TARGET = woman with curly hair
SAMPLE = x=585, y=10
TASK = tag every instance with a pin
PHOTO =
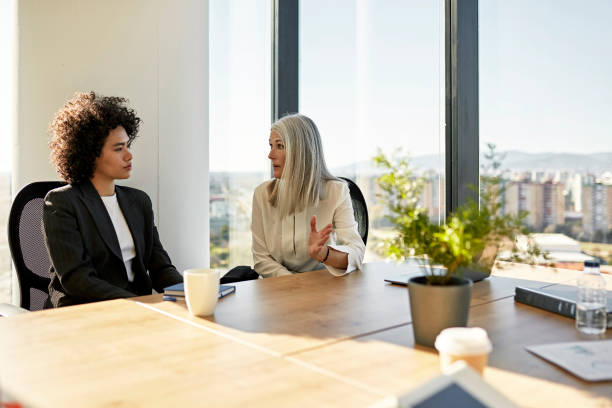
x=101, y=238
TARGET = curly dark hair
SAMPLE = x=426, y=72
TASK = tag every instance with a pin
x=80, y=129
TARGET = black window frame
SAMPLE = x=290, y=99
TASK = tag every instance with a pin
x=461, y=78
x=285, y=58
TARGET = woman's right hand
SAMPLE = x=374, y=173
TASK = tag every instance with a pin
x=317, y=239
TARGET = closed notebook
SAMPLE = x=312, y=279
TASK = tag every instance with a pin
x=560, y=299
x=178, y=290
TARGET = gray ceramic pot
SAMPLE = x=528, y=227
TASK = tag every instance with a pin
x=436, y=307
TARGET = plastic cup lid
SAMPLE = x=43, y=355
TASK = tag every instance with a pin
x=463, y=341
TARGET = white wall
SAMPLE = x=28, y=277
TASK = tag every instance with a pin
x=153, y=52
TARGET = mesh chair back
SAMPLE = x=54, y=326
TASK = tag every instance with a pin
x=27, y=243
x=359, y=208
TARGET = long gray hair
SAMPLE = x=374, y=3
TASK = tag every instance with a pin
x=304, y=172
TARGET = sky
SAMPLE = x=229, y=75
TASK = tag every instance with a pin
x=545, y=75
x=371, y=75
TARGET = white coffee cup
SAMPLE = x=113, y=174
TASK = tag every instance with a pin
x=201, y=291
x=470, y=344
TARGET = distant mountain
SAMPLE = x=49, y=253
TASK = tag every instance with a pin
x=596, y=163
x=367, y=167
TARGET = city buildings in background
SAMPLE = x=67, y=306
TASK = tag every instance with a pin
x=574, y=202
x=564, y=207
x=577, y=204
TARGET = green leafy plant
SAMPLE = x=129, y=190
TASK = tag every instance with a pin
x=472, y=234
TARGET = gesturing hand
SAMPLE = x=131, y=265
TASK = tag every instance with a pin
x=317, y=239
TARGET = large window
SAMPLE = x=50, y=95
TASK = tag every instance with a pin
x=240, y=112
x=544, y=103
x=372, y=76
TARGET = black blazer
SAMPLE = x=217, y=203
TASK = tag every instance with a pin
x=86, y=261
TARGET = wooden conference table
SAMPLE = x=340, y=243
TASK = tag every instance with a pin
x=304, y=340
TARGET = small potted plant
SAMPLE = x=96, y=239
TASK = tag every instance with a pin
x=469, y=239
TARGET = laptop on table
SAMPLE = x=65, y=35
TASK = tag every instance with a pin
x=409, y=271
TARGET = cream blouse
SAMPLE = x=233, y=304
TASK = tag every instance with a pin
x=280, y=246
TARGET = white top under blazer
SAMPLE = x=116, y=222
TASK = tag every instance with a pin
x=124, y=236
x=280, y=246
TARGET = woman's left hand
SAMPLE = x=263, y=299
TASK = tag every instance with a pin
x=317, y=239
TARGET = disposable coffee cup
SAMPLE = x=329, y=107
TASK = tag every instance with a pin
x=469, y=344
x=201, y=291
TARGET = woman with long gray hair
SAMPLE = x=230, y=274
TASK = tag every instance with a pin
x=303, y=218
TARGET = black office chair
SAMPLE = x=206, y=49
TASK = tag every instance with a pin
x=27, y=243
x=360, y=209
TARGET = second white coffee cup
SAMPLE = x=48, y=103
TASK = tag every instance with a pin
x=201, y=291
x=470, y=344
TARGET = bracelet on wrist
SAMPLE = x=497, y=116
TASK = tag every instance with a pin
x=326, y=256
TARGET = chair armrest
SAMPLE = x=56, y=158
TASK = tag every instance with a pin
x=7, y=310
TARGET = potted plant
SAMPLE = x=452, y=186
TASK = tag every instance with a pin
x=469, y=239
